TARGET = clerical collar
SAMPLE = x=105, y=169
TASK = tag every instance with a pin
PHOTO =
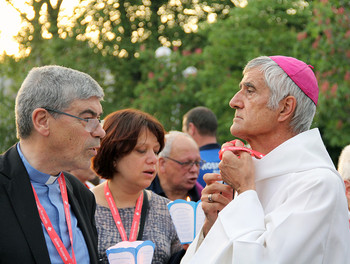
x=34, y=174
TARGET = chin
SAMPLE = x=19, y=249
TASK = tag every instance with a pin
x=234, y=131
x=146, y=184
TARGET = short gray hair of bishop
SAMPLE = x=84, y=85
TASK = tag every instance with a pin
x=54, y=87
x=281, y=86
x=169, y=139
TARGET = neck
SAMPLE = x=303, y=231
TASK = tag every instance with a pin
x=173, y=194
x=122, y=196
x=205, y=140
x=265, y=144
x=37, y=158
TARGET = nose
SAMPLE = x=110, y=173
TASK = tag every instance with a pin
x=236, y=101
x=152, y=158
x=99, y=132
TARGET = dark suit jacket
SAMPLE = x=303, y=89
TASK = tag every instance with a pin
x=21, y=236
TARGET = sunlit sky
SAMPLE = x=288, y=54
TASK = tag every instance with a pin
x=10, y=22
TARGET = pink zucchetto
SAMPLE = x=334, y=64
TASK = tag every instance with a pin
x=301, y=74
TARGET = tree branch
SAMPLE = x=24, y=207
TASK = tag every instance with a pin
x=23, y=15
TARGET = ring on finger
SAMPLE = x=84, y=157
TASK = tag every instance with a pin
x=210, y=198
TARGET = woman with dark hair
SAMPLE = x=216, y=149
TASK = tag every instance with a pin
x=127, y=159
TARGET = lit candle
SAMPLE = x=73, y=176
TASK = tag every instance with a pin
x=188, y=199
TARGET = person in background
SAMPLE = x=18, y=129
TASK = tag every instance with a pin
x=201, y=124
x=86, y=176
x=127, y=159
x=289, y=205
x=178, y=168
x=344, y=171
x=48, y=214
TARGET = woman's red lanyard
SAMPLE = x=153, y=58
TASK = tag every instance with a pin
x=116, y=216
x=67, y=259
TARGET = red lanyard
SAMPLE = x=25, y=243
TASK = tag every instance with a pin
x=67, y=259
x=116, y=216
x=234, y=148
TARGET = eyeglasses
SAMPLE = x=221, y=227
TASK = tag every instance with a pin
x=188, y=164
x=91, y=123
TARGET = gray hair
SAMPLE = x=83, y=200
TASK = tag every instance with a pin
x=169, y=139
x=281, y=86
x=51, y=86
x=344, y=163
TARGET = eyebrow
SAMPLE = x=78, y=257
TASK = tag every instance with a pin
x=89, y=111
x=248, y=84
x=140, y=144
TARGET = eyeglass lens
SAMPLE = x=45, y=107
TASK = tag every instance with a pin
x=197, y=163
x=92, y=125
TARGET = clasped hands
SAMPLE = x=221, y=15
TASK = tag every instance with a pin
x=237, y=172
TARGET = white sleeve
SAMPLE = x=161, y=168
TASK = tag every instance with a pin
x=306, y=226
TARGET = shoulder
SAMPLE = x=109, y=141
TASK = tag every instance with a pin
x=158, y=211
x=320, y=176
x=323, y=181
x=212, y=146
x=11, y=165
x=73, y=180
x=210, y=152
x=77, y=187
x=156, y=201
x=8, y=152
x=98, y=191
x=9, y=157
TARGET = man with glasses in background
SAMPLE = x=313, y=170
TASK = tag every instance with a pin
x=48, y=214
x=178, y=168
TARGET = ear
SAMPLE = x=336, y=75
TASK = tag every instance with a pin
x=161, y=165
x=287, y=108
x=347, y=189
x=41, y=124
x=192, y=130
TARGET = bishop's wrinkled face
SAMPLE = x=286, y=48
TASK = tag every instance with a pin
x=252, y=118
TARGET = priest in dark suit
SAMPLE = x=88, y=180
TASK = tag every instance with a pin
x=47, y=215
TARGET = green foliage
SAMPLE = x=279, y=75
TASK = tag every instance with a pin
x=123, y=29
x=258, y=29
x=7, y=126
x=129, y=34
x=164, y=90
x=8, y=88
x=325, y=44
x=122, y=56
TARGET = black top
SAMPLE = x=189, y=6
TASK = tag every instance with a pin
x=22, y=238
x=156, y=188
